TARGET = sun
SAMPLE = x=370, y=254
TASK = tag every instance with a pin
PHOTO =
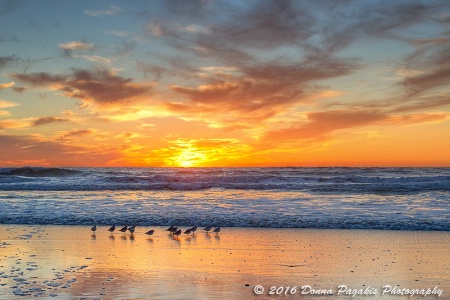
x=190, y=157
x=186, y=164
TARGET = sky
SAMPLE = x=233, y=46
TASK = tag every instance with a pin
x=219, y=83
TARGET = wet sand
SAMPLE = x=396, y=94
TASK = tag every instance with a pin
x=68, y=262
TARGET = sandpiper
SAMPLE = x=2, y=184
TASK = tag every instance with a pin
x=207, y=229
x=177, y=233
x=112, y=228
x=170, y=228
x=193, y=230
x=132, y=229
x=150, y=232
x=217, y=230
x=188, y=231
x=124, y=229
x=94, y=228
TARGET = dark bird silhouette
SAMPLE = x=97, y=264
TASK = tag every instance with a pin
x=124, y=229
x=170, y=228
x=217, y=230
x=194, y=229
x=188, y=231
x=94, y=228
x=132, y=229
x=207, y=229
x=177, y=233
x=112, y=228
x=150, y=232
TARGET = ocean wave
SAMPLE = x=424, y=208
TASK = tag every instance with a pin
x=37, y=172
x=319, y=180
x=244, y=220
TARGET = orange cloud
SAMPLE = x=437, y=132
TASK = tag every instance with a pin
x=15, y=150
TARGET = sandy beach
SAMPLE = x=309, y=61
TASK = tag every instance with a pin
x=69, y=262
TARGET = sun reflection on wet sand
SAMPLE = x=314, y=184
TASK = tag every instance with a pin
x=69, y=262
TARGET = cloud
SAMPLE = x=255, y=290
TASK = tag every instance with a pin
x=26, y=150
x=40, y=79
x=430, y=41
x=319, y=125
x=93, y=58
x=75, y=45
x=416, y=118
x=432, y=65
x=423, y=103
x=6, y=85
x=14, y=124
x=48, y=120
x=29, y=122
x=110, y=11
x=100, y=86
x=5, y=60
x=5, y=104
x=432, y=79
x=258, y=92
x=146, y=68
x=74, y=133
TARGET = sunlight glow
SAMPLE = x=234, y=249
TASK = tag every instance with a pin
x=190, y=157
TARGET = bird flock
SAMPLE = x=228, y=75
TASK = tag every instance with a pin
x=175, y=231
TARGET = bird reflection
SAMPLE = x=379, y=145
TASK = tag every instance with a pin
x=93, y=237
x=112, y=237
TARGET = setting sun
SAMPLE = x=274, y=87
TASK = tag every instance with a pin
x=189, y=158
x=338, y=90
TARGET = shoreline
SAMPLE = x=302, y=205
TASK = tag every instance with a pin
x=69, y=262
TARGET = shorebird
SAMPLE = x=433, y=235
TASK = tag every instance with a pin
x=112, y=228
x=177, y=233
x=193, y=230
x=170, y=228
x=132, y=229
x=174, y=229
x=217, y=230
x=124, y=229
x=188, y=231
x=94, y=228
x=207, y=229
x=150, y=232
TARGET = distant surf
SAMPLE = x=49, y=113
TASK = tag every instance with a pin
x=363, y=198
x=320, y=180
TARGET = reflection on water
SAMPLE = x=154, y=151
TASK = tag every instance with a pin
x=219, y=266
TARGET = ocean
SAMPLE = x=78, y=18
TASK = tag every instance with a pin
x=333, y=198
